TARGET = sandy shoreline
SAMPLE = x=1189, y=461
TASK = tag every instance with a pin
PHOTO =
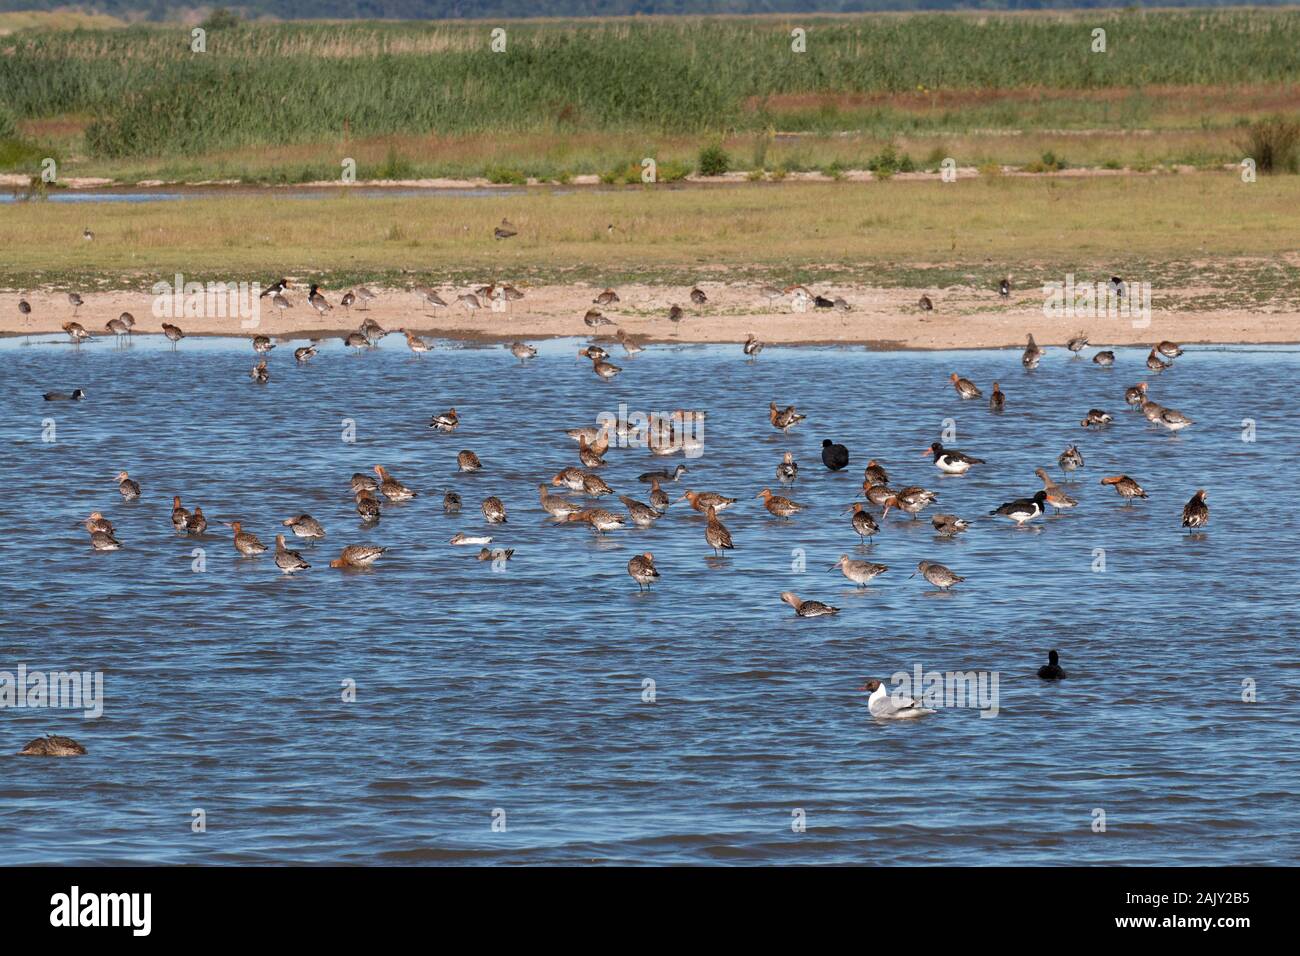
x=881, y=318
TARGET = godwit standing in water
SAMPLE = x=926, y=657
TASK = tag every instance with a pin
x=305, y=526
x=246, y=542
x=1125, y=487
x=1057, y=498
x=859, y=572
x=752, y=346
x=173, y=333
x=494, y=510
x=1078, y=343
x=862, y=522
x=1196, y=513
x=286, y=560
x=642, y=569
x=359, y=556
x=716, y=533
x=964, y=386
x=522, y=351
x=415, y=344
x=938, y=575
x=197, y=523
x=949, y=526
x=778, y=505
x=788, y=470
x=643, y=516
x=1033, y=354
x=468, y=461
x=259, y=373
x=703, y=501
x=1105, y=359
x=785, y=418
x=179, y=515
x=304, y=353
x=807, y=608
x=557, y=506
x=1071, y=459
x=1154, y=362
x=874, y=474
x=128, y=487
x=76, y=332
x=1169, y=349
x=912, y=499
x=391, y=488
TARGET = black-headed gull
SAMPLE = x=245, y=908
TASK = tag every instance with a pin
x=886, y=706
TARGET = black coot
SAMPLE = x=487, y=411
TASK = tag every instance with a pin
x=834, y=456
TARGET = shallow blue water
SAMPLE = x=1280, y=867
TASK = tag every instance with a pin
x=522, y=690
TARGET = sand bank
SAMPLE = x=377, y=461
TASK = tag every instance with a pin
x=883, y=318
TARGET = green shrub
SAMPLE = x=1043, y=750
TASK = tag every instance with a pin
x=714, y=160
x=1274, y=145
x=504, y=175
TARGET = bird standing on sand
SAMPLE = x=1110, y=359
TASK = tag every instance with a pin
x=807, y=608
x=1196, y=513
x=698, y=297
x=642, y=569
x=76, y=302
x=1004, y=288
x=926, y=304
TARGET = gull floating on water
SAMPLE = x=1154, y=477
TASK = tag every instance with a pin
x=884, y=706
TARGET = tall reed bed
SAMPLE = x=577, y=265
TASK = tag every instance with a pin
x=296, y=83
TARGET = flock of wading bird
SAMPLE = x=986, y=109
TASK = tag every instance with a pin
x=666, y=435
